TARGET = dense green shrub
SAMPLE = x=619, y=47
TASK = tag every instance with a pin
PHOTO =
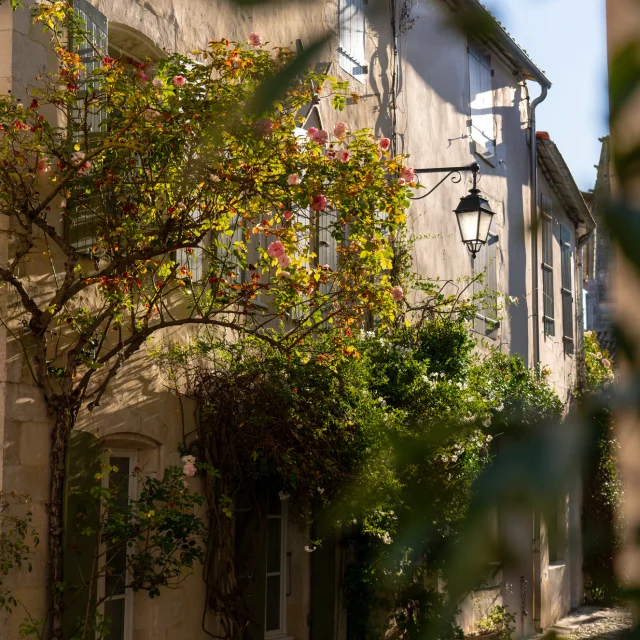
x=602, y=485
x=389, y=438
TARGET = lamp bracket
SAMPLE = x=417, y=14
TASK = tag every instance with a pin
x=450, y=171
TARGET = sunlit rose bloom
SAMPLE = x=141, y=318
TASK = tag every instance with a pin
x=606, y=363
x=77, y=159
x=402, y=181
x=255, y=39
x=344, y=156
x=340, y=130
x=43, y=164
x=287, y=215
x=408, y=174
x=385, y=143
x=284, y=261
x=320, y=136
x=189, y=469
x=157, y=82
x=397, y=294
x=284, y=275
x=319, y=203
x=276, y=249
x=179, y=81
x=188, y=459
x=294, y=178
x=311, y=131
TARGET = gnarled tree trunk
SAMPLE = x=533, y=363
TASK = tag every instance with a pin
x=64, y=422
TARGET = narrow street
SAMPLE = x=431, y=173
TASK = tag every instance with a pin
x=593, y=622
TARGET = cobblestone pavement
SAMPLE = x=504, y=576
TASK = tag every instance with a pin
x=592, y=622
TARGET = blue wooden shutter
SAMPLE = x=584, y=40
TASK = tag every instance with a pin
x=84, y=209
x=80, y=525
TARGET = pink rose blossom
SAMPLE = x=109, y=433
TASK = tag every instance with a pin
x=284, y=261
x=384, y=143
x=606, y=363
x=294, y=178
x=320, y=136
x=344, y=156
x=189, y=469
x=287, y=215
x=285, y=275
x=179, y=81
x=340, y=130
x=157, y=82
x=276, y=249
x=255, y=39
x=43, y=164
x=311, y=131
x=144, y=78
x=77, y=158
x=150, y=115
x=408, y=174
x=319, y=203
x=401, y=181
x=397, y=294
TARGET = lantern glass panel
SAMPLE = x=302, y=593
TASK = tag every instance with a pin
x=468, y=222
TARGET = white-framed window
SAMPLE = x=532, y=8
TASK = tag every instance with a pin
x=548, y=307
x=119, y=604
x=275, y=622
x=351, y=22
x=481, y=102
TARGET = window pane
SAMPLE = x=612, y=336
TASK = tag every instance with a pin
x=115, y=580
x=119, y=480
x=114, y=610
x=273, y=603
x=273, y=544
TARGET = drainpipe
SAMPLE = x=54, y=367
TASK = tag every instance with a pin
x=537, y=557
x=534, y=225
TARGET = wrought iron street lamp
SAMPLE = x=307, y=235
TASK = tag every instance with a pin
x=474, y=214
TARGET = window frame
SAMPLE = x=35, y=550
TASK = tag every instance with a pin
x=128, y=594
x=283, y=516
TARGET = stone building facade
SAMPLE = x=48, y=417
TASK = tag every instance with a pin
x=446, y=99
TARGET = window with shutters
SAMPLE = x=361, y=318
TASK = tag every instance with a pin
x=566, y=254
x=85, y=210
x=327, y=246
x=190, y=261
x=118, y=607
x=548, y=312
x=276, y=567
x=487, y=323
x=481, y=102
x=352, y=29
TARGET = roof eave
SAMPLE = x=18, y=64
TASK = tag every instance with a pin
x=500, y=38
x=558, y=172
